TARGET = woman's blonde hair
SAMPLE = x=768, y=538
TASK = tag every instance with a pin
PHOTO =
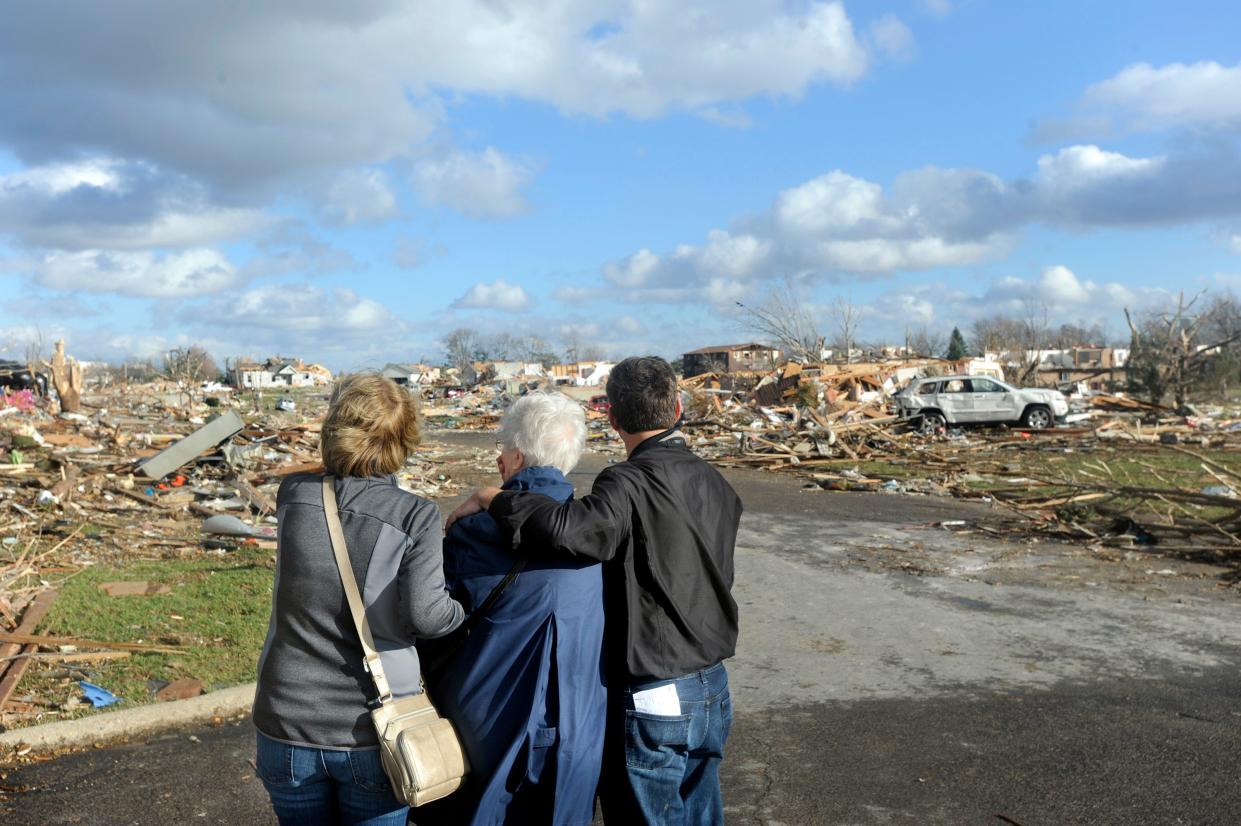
x=371, y=427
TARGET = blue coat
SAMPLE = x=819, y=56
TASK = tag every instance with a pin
x=526, y=690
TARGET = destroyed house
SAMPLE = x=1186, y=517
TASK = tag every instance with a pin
x=581, y=373
x=730, y=358
x=1099, y=369
x=411, y=374
x=278, y=372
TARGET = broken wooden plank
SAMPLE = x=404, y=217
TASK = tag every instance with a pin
x=193, y=507
x=217, y=430
x=30, y=620
x=40, y=639
x=261, y=501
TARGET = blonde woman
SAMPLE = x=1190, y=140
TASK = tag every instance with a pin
x=317, y=752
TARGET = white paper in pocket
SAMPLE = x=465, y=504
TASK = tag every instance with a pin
x=662, y=700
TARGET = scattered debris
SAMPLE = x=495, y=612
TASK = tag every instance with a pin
x=181, y=689
x=98, y=696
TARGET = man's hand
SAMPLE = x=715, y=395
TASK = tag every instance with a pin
x=479, y=501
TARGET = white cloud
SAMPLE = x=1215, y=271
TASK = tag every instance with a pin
x=939, y=8
x=1234, y=244
x=103, y=203
x=303, y=310
x=839, y=226
x=498, y=295
x=1149, y=97
x=634, y=271
x=359, y=196
x=354, y=85
x=186, y=274
x=484, y=184
x=1065, y=296
x=1204, y=97
x=892, y=37
x=1077, y=167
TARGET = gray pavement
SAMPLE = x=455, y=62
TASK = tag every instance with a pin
x=889, y=672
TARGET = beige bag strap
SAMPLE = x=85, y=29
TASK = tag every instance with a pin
x=371, y=661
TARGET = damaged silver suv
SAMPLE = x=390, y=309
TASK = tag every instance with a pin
x=938, y=401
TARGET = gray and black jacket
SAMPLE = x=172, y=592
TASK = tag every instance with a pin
x=312, y=689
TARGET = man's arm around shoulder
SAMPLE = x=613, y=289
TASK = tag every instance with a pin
x=592, y=526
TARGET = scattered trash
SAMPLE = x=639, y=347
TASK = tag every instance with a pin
x=97, y=695
x=228, y=525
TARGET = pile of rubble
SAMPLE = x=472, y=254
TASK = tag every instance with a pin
x=1124, y=473
x=149, y=472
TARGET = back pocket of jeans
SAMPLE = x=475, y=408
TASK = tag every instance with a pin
x=653, y=741
x=273, y=762
x=368, y=771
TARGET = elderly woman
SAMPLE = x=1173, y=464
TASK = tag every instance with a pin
x=525, y=688
x=317, y=750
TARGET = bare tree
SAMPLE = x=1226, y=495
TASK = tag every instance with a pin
x=34, y=351
x=922, y=342
x=1019, y=341
x=463, y=347
x=189, y=366
x=845, y=319
x=1167, y=350
x=783, y=319
x=535, y=348
x=503, y=346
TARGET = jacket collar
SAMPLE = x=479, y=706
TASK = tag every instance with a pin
x=672, y=437
x=541, y=479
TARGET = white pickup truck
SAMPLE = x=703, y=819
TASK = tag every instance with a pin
x=937, y=401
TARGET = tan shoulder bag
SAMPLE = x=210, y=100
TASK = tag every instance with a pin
x=420, y=750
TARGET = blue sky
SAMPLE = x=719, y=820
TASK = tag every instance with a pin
x=348, y=183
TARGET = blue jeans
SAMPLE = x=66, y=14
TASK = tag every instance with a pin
x=310, y=786
x=671, y=762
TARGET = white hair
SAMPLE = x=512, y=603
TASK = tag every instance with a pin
x=548, y=428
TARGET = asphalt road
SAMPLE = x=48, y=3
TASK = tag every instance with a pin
x=889, y=671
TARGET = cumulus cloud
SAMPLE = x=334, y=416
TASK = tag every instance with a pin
x=892, y=37
x=838, y=225
x=498, y=295
x=359, y=196
x=303, y=310
x=104, y=203
x=485, y=184
x=186, y=274
x=1066, y=297
x=358, y=84
x=1204, y=96
x=1145, y=97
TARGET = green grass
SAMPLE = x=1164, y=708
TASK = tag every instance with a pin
x=222, y=603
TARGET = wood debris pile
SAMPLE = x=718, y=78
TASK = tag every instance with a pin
x=78, y=490
x=1126, y=474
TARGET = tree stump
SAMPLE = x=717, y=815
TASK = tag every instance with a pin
x=67, y=379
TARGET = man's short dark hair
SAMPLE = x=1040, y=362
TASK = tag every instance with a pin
x=642, y=391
